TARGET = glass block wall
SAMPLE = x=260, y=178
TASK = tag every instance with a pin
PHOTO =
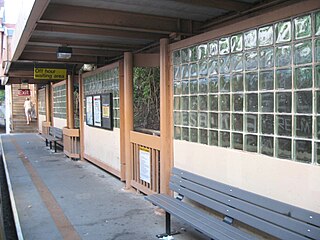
x=255, y=91
x=105, y=82
x=42, y=102
x=60, y=102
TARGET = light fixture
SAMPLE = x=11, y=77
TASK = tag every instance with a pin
x=64, y=53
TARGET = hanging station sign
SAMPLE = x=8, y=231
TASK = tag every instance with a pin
x=49, y=73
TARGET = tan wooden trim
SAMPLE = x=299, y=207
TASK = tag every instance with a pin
x=47, y=97
x=51, y=104
x=251, y=22
x=146, y=60
x=122, y=122
x=145, y=140
x=102, y=165
x=81, y=117
x=71, y=155
x=46, y=124
x=59, y=83
x=128, y=109
x=141, y=188
x=71, y=132
x=70, y=102
x=102, y=69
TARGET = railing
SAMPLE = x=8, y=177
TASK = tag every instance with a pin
x=71, y=142
x=145, y=152
x=45, y=127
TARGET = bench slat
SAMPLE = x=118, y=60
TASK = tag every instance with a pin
x=257, y=211
x=274, y=205
x=206, y=224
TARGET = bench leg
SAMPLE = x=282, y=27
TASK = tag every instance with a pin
x=55, y=146
x=50, y=144
x=168, y=228
x=46, y=142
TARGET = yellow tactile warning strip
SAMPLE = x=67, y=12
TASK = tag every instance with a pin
x=64, y=226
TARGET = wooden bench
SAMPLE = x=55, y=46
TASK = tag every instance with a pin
x=55, y=136
x=275, y=218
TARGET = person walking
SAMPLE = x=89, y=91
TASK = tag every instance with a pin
x=27, y=109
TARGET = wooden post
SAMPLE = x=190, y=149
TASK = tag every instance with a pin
x=81, y=116
x=122, y=123
x=48, y=109
x=128, y=110
x=165, y=118
x=70, y=102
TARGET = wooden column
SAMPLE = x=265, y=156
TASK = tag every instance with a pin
x=122, y=122
x=70, y=103
x=165, y=118
x=48, y=108
x=128, y=110
x=81, y=116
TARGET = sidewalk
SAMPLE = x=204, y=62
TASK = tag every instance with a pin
x=57, y=198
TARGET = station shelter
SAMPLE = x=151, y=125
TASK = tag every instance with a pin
x=239, y=89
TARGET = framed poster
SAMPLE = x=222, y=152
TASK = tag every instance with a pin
x=89, y=110
x=145, y=162
x=107, y=111
x=97, y=110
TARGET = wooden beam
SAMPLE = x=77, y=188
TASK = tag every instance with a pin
x=228, y=5
x=122, y=122
x=70, y=110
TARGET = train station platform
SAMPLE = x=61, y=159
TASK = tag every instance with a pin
x=57, y=198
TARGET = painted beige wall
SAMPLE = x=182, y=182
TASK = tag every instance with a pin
x=103, y=145
x=59, y=122
x=41, y=118
x=284, y=180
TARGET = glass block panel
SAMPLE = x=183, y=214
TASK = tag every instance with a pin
x=185, y=55
x=194, y=135
x=283, y=32
x=250, y=39
x=303, y=151
x=303, y=77
x=225, y=121
x=194, y=86
x=252, y=102
x=267, y=124
x=237, y=141
x=236, y=43
x=267, y=102
x=176, y=73
x=203, y=85
x=317, y=76
x=203, y=136
x=237, y=62
x=284, y=125
x=202, y=51
x=213, y=120
x=203, y=102
x=177, y=118
x=203, y=119
x=251, y=60
x=225, y=139
x=318, y=128
x=284, y=79
x=284, y=102
x=213, y=84
x=213, y=102
x=224, y=46
x=185, y=71
x=237, y=122
x=225, y=65
x=317, y=50
x=252, y=123
x=194, y=54
x=266, y=58
x=185, y=118
x=203, y=68
x=318, y=101
x=213, y=66
x=302, y=27
x=238, y=102
x=225, y=102
x=266, y=145
x=213, y=138
x=284, y=148
x=251, y=143
x=266, y=80
x=193, y=120
x=237, y=82
x=194, y=103
x=283, y=56
x=251, y=81
x=185, y=103
x=176, y=57
x=185, y=133
x=224, y=83
x=303, y=126
x=185, y=87
x=317, y=23
x=303, y=52
x=193, y=70
x=176, y=103
x=177, y=133
x=213, y=48
x=317, y=147
x=265, y=36
x=303, y=102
